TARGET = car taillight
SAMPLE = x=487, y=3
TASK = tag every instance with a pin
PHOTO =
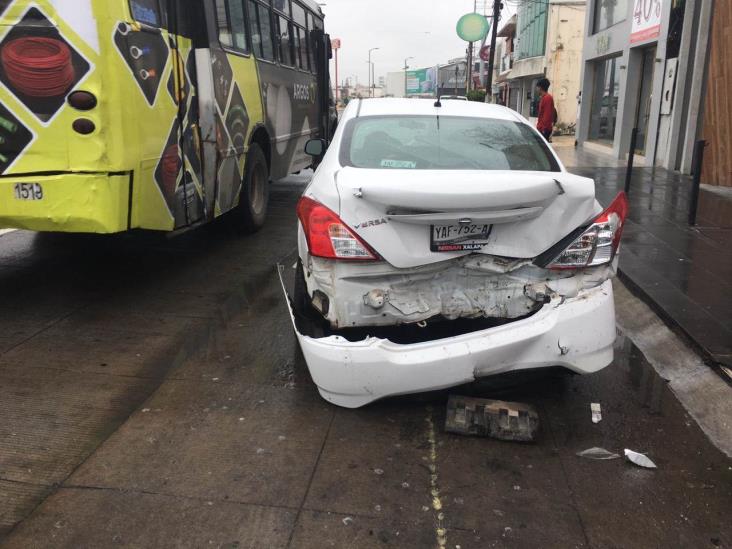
x=598, y=244
x=328, y=236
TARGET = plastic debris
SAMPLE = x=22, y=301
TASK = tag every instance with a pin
x=347, y=520
x=640, y=460
x=596, y=412
x=727, y=371
x=512, y=421
x=597, y=453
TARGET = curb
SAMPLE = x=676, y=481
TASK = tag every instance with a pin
x=709, y=358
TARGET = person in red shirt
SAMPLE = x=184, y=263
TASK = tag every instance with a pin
x=547, y=112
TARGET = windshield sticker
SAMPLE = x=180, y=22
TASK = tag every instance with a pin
x=400, y=164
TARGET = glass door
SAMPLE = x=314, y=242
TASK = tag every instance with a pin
x=645, y=95
x=604, y=102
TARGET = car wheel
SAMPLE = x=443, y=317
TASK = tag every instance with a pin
x=254, y=197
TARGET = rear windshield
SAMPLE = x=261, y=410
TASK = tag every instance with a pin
x=444, y=143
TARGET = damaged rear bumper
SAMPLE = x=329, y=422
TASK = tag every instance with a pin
x=71, y=202
x=577, y=333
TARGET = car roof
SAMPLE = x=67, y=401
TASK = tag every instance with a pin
x=392, y=106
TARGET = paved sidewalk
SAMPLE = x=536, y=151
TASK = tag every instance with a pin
x=684, y=272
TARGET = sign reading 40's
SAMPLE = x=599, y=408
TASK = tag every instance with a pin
x=646, y=20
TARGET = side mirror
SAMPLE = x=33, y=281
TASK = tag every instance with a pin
x=315, y=148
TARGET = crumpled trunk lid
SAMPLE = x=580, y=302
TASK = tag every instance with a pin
x=395, y=211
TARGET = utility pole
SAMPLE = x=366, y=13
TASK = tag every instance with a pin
x=497, y=7
x=373, y=79
x=371, y=74
x=336, y=75
x=469, y=72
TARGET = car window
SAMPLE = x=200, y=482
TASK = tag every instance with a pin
x=444, y=143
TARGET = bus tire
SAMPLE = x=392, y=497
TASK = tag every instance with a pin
x=254, y=195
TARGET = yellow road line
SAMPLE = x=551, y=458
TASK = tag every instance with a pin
x=440, y=530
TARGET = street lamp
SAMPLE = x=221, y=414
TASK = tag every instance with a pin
x=406, y=67
x=371, y=73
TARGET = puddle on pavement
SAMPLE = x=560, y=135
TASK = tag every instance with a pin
x=649, y=388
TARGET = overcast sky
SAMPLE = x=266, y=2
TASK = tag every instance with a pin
x=398, y=28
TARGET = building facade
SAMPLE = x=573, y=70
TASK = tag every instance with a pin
x=717, y=123
x=396, y=84
x=543, y=40
x=644, y=68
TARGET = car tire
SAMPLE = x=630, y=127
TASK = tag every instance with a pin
x=251, y=213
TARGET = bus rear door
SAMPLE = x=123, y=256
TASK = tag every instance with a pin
x=185, y=147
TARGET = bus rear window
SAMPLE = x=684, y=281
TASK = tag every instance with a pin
x=146, y=11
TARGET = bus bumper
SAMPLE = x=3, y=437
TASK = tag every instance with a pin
x=71, y=202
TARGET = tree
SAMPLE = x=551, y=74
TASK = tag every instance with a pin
x=476, y=95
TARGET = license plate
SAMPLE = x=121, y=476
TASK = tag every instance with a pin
x=28, y=191
x=460, y=237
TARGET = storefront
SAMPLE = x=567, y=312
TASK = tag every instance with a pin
x=641, y=68
x=604, y=100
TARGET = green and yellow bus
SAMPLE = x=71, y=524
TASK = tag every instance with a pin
x=155, y=114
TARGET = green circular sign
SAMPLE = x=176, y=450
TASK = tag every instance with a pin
x=473, y=27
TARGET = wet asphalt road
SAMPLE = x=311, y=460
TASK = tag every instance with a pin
x=152, y=395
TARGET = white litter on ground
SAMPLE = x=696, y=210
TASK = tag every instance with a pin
x=597, y=453
x=639, y=459
x=596, y=412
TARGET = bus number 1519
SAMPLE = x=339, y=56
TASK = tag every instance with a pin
x=28, y=191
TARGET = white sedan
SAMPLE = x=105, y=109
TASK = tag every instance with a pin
x=439, y=243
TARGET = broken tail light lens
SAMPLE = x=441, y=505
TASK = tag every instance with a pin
x=599, y=243
x=328, y=236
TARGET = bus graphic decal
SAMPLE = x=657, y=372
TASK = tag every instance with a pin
x=14, y=138
x=169, y=167
x=146, y=54
x=223, y=77
x=4, y=5
x=237, y=121
x=39, y=66
x=229, y=173
x=178, y=91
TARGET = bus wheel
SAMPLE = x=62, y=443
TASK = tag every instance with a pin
x=254, y=196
